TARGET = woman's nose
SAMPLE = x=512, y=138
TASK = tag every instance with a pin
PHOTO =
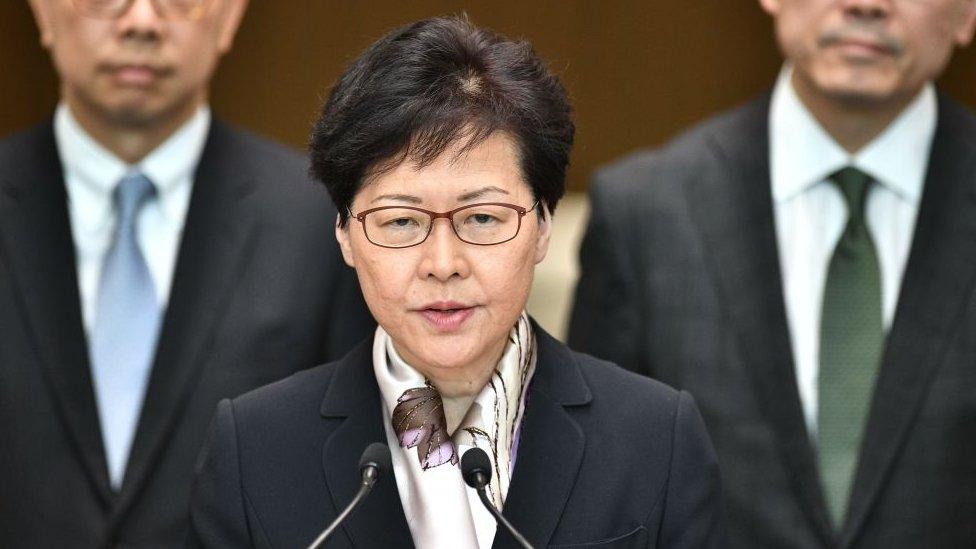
x=444, y=253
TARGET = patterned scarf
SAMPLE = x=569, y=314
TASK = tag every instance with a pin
x=491, y=423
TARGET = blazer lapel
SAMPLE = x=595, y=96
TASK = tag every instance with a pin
x=217, y=243
x=732, y=205
x=550, y=446
x=937, y=282
x=353, y=399
x=38, y=245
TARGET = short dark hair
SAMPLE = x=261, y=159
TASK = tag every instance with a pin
x=427, y=85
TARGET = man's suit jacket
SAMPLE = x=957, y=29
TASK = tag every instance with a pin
x=259, y=292
x=681, y=281
x=605, y=459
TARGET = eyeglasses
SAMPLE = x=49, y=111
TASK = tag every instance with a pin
x=113, y=9
x=484, y=224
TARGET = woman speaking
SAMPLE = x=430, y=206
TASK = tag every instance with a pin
x=445, y=148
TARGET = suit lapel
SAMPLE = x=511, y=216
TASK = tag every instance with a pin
x=547, y=463
x=550, y=448
x=937, y=282
x=353, y=399
x=732, y=206
x=37, y=243
x=216, y=245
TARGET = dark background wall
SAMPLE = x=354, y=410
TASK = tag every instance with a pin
x=638, y=71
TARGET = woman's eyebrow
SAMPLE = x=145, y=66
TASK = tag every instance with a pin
x=471, y=195
x=399, y=197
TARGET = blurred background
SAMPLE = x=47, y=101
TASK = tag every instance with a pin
x=637, y=72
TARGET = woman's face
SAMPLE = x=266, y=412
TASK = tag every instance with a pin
x=449, y=305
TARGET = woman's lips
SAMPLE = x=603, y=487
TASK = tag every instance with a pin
x=446, y=317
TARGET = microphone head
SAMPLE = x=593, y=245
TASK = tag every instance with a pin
x=377, y=456
x=476, y=468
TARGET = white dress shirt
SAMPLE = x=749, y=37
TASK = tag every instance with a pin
x=91, y=174
x=810, y=212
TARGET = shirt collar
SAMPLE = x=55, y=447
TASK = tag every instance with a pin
x=175, y=160
x=93, y=165
x=100, y=170
x=898, y=158
x=802, y=153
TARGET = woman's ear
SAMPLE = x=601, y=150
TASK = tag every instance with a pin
x=342, y=236
x=544, y=232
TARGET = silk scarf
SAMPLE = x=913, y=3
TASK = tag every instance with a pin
x=440, y=509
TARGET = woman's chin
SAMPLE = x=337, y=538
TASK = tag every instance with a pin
x=447, y=358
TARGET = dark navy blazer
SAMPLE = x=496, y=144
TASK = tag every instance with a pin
x=607, y=459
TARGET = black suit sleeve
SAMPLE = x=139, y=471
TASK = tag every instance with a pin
x=217, y=506
x=693, y=502
x=605, y=317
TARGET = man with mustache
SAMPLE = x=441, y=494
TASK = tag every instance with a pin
x=153, y=261
x=805, y=267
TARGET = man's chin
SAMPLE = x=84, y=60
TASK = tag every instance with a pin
x=134, y=114
x=138, y=109
x=859, y=88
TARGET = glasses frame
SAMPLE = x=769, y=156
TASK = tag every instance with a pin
x=161, y=7
x=449, y=216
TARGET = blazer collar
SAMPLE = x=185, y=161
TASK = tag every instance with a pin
x=938, y=284
x=36, y=240
x=731, y=203
x=352, y=399
x=549, y=456
x=551, y=445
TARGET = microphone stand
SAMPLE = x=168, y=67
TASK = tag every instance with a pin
x=483, y=495
x=375, y=459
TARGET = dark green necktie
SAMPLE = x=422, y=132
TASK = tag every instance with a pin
x=851, y=343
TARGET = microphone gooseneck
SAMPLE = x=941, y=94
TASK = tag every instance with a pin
x=476, y=470
x=373, y=464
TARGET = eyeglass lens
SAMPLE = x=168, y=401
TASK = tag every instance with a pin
x=482, y=224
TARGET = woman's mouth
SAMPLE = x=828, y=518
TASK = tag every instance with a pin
x=446, y=316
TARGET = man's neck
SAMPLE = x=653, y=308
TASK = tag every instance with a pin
x=129, y=142
x=852, y=124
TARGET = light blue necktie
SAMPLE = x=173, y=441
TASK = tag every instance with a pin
x=127, y=319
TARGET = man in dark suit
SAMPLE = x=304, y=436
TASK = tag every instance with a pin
x=805, y=266
x=152, y=262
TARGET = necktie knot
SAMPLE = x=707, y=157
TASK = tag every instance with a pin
x=853, y=185
x=131, y=194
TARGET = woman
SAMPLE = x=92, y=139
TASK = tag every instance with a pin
x=445, y=148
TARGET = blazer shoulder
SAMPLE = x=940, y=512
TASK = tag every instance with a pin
x=957, y=118
x=681, y=156
x=627, y=393
x=25, y=144
x=279, y=171
x=280, y=403
x=262, y=155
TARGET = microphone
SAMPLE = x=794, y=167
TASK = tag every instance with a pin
x=476, y=470
x=374, y=463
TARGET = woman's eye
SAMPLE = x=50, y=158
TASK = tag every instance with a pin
x=400, y=223
x=482, y=219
